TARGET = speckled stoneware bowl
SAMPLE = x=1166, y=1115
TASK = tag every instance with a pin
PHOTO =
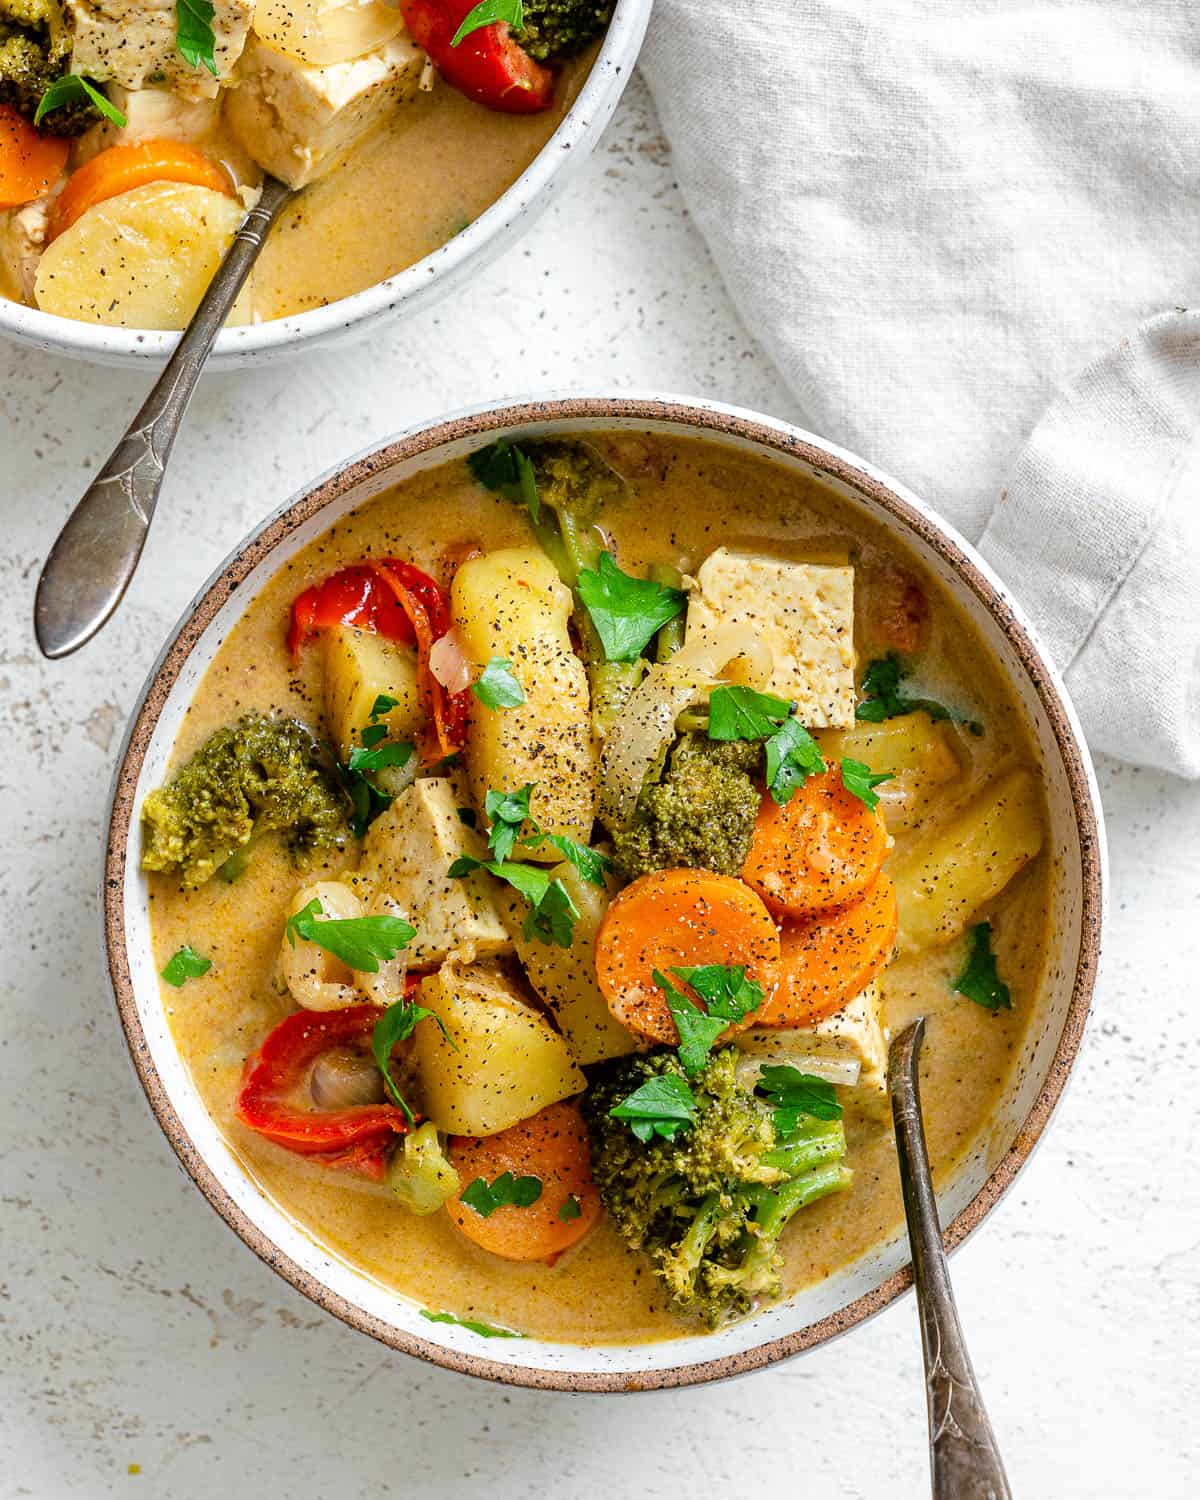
x=815, y=1314
x=421, y=284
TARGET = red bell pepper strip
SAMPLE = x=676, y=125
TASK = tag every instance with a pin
x=353, y=596
x=450, y=712
x=487, y=65
x=357, y=1137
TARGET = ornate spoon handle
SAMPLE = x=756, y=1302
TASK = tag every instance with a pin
x=96, y=553
x=963, y=1458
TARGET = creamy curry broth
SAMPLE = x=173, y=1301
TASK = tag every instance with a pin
x=598, y=1292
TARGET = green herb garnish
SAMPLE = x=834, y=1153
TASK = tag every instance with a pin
x=663, y=1106
x=507, y=812
x=184, y=964
x=360, y=942
x=194, y=33
x=728, y=998
x=739, y=713
x=883, y=699
x=377, y=757
x=793, y=1095
x=792, y=757
x=506, y=1191
x=626, y=611
x=395, y=1025
x=504, y=468
x=484, y=1330
x=571, y=1209
x=512, y=12
x=980, y=981
x=73, y=88
x=860, y=781
x=497, y=687
x=552, y=912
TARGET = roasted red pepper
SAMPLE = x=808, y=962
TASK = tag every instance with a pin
x=487, y=65
x=354, y=596
x=359, y=1137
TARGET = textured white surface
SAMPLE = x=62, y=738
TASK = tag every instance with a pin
x=138, y=1331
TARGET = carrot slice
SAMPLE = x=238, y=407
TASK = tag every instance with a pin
x=679, y=919
x=551, y=1146
x=823, y=849
x=30, y=162
x=829, y=958
x=120, y=169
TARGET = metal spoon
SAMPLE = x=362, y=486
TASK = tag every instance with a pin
x=96, y=553
x=964, y=1460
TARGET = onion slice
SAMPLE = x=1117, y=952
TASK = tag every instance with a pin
x=449, y=664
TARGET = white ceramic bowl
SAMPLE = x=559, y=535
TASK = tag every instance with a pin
x=421, y=284
x=1075, y=846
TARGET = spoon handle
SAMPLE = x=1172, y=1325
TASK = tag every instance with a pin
x=963, y=1457
x=95, y=554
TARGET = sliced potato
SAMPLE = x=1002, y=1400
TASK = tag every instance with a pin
x=358, y=667
x=565, y=978
x=509, y=1063
x=142, y=259
x=326, y=31
x=917, y=751
x=512, y=604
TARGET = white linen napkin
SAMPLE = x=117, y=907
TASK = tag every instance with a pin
x=933, y=214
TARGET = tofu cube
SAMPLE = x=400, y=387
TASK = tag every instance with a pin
x=299, y=119
x=805, y=614
x=132, y=42
x=406, y=853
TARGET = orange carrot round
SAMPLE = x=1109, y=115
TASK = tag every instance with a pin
x=823, y=849
x=551, y=1146
x=30, y=162
x=829, y=958
x=679, y=919
x=120, y=169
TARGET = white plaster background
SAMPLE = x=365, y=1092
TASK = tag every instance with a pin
x=136, y=1330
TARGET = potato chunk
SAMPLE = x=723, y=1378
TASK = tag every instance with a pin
x=358, y=667
x=142, y=259
x=408, y=850
x=511, y=604
x=918, y=752
x=510, y=1061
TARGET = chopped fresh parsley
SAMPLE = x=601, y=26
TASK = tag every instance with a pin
x=590, y=863
x=663, y=1106
x=507, y=812
x=506, y=1191
x=375, y=757
x=488, y=11
x=980, y=980
x=194, y=34
x=728, y=998
x=883, y=698
x=860, y=781
x=383, y=705
x=552, y=913
x=184, y=964
x=626, y=611
x=360, y=942
x=792, y=757
x=739, y=713
x=472, y=1325
x=366, y=799
x=793, y=1095
x=73, y=88
x=504, y=468
x=497, y=687
x=571, y=1209
x=395, y=1025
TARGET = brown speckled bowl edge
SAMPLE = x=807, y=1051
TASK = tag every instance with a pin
x=719, y=423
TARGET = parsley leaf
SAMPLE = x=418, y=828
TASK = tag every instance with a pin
x=728, y=997
x=793, y=1094
x=486, y=12
x=497, y=687
x=980, y=981
x=360, y=942
x=383, y=705
x=663, y=1106
x=73, y=88
x=591, y=863
x=194, y=34
x=627, y=612
x=552, y=914
x=792, y=757
x=484, y=1330
x=370, y=758
x=506, y=812
x=184, y=964
x=571, y=1209
x=367, y=801
x=883, y=699
x=395, y=1025
x=697, y=1031
x=505, y=1192
x=860, y=781
x=739, y=713
x=504, y=468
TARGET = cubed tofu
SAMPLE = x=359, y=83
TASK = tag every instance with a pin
x=150, y=115
x=803, y=611
x=298, y=119
x=848, y=1048
x=132, y=42
x=407, y=851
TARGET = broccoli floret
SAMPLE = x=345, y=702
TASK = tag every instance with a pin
x=560, y=28
x=252, y=777
x=699, y=816
x=35, y=49
x=708, y=1207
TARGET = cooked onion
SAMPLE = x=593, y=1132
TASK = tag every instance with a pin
x=387, y=986
x=761, y=1052
x=449, y=664
x=639, y=739
x=326, y=31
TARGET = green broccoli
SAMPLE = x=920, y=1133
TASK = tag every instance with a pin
x=35, y=50
x=553, y=29
x=700, y=815
x=709, y=1205
x=252, y=777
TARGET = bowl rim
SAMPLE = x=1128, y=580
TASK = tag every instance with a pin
x=703, y=418
x=413, y=286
